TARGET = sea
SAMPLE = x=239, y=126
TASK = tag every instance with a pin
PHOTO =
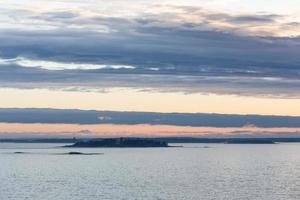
x=192, y=172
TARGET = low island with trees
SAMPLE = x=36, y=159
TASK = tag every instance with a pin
x=120, y=142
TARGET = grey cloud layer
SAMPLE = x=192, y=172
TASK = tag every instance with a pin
x=167, y=49
x=56, y=116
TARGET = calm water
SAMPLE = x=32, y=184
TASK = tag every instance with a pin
x=223, y=171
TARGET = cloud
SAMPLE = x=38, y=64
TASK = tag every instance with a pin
x=57, y=15
x=64, y=116
x=51, y=65
x=102, y=80
x=104, y=118
x=255, y=19
x=85, y=132
x=19, y=130
x=156, y=47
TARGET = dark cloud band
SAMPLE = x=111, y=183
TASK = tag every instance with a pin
x=56, y=116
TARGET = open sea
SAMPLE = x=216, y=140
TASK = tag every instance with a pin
x=194, y=172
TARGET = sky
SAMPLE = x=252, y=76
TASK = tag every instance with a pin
x=231, y=57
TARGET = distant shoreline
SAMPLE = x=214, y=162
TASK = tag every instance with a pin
x=119, y=143
x=164, y=139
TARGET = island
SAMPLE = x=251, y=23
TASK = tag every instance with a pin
x=79, y=153
x=120, y=142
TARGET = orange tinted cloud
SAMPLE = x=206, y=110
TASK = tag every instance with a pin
x=109, y=130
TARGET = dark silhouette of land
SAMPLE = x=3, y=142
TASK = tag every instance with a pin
x=250, y=141
x=67, y=153
x=160, y=139
x=229, y=140
x=79, y=153
x=120, y=142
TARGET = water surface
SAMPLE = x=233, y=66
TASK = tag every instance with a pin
x=224, y=171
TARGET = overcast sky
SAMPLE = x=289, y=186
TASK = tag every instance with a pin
x=191, y=56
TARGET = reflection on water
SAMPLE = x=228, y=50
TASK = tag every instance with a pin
x=221, y=171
